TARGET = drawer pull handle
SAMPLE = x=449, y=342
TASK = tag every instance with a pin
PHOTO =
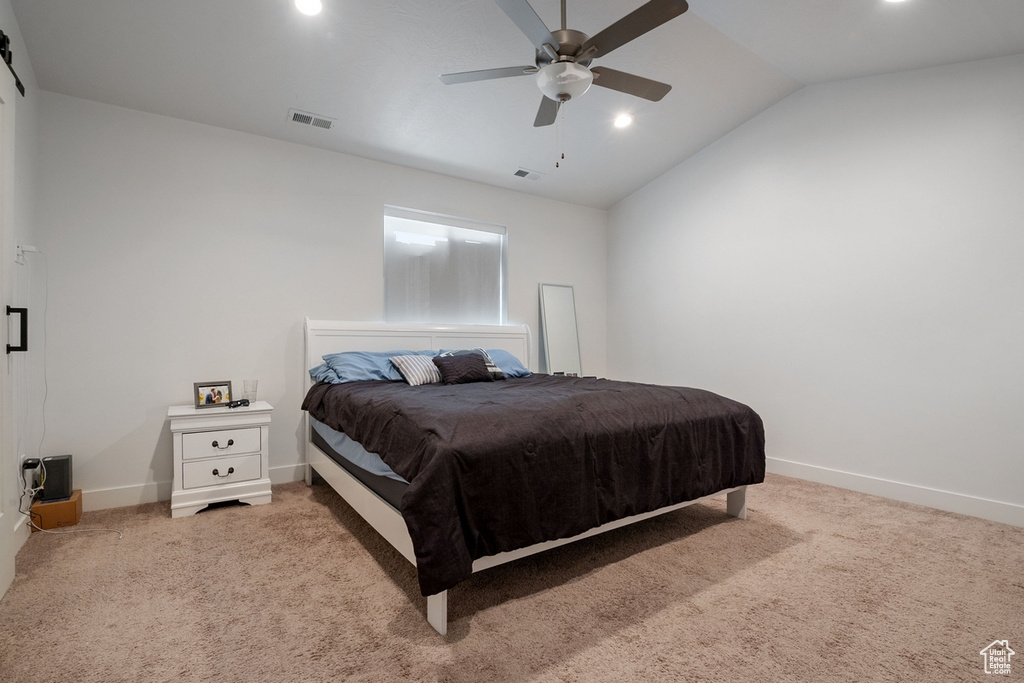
x=216, y=472
x=231, y=442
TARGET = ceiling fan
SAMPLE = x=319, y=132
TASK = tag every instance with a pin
x=564, y=56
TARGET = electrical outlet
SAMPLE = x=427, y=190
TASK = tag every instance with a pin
x=19, y=253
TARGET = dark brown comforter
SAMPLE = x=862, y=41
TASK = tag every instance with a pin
x=496, y=466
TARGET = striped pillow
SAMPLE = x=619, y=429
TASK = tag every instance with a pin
x=417, y=369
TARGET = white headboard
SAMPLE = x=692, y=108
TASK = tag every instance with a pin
x=333, y=336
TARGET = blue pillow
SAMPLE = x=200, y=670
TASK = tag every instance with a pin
x=355, y=366
x=322, y=373
x=508, y=363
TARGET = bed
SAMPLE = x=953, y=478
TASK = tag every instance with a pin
x=479, y=474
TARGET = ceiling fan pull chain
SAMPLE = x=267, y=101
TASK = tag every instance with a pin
x=558, y=136
x=561, y=136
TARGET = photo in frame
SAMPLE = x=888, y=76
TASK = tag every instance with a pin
x=211, y=394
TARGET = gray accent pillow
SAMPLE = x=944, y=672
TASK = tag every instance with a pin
x=417, y=370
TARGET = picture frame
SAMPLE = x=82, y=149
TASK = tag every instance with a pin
x=211, y=394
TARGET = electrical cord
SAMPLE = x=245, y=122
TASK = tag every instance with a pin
x=26, y=489
x=29, y=491
x=46, y=385
x=46, y=307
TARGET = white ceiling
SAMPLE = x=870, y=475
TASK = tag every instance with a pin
x=373, y=66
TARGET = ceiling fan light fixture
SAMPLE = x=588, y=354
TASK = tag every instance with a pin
x=562, y=81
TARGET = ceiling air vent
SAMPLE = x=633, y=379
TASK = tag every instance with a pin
x=528, y=174
x=308, y=119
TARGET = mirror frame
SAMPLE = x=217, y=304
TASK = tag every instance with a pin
x=549, y=302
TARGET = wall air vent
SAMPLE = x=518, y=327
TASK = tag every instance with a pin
x=528, y=174
x=307, y=119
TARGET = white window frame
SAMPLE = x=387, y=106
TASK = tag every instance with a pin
x=451, y=222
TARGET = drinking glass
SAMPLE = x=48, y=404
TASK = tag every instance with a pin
x=249, y=389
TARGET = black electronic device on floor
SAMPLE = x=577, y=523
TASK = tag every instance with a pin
x=57, y=484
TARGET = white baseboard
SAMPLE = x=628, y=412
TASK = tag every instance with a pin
x=122, y=496
x=1006, y=513
x=287, y=473
x=22, y=523
x=997, y=511
x=18, y=534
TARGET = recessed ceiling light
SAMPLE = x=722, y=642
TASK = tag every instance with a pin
x=623, y=120
x=894, y=1
x=310, y=7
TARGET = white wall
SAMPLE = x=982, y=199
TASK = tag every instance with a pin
x=180, y=252
x=20, y=288
x=849, y=263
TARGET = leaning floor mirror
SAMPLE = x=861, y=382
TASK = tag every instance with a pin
x=560, y=342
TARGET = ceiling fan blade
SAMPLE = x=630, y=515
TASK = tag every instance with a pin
x=520, y=12
x=487, y=74
x=630, y=84
x=633, y=25
x=547, y=113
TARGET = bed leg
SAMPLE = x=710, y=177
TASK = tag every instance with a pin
x=309, y=475
x=437, y=612
x=736, y=502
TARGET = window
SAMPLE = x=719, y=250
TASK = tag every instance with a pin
x=441, y=269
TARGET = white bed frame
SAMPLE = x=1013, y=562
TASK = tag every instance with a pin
x=328, y=336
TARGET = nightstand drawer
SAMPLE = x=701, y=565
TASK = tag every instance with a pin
x=217, y=471
x=225, y=442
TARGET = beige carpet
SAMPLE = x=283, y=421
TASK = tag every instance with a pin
x=819, y=584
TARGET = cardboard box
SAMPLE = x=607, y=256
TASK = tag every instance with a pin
x=58, y=513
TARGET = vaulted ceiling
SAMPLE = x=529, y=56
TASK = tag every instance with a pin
x=373, y=66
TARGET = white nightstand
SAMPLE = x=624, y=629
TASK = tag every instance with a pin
x=220, y=454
